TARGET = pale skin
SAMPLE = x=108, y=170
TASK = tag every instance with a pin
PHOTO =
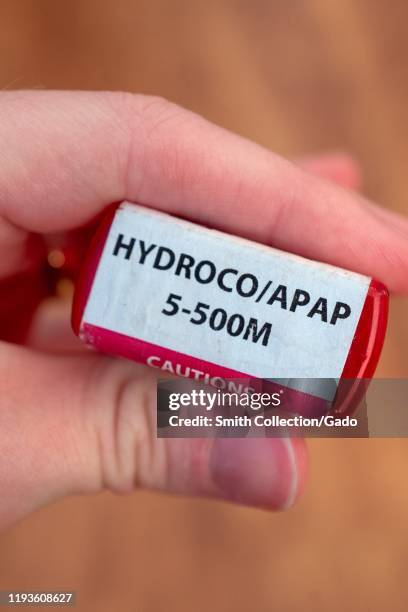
x=82, y=422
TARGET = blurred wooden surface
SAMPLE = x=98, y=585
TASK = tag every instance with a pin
x=296, y=77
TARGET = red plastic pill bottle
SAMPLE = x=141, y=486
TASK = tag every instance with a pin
x=198, y=303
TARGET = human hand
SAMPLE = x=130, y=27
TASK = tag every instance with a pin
x=80, y=422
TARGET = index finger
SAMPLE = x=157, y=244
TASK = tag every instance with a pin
x=66, y=155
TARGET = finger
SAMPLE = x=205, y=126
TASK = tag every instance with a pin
x=50, y=328
x=79, y=424
x=65, y=155
x=340, y=168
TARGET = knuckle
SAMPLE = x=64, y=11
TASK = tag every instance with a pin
x=153, y=130
x=142, y=112
x=161, y=144
x=129, y=455
x=159, y=115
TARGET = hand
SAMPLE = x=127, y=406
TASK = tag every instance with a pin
x=80, y=422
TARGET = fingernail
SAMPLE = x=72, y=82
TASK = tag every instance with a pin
x=260, y=472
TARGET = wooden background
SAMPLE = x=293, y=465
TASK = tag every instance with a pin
x=295, y=76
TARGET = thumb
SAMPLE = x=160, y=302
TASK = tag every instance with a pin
x=72, y=424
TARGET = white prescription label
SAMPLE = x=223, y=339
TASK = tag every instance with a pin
x=223, y=299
